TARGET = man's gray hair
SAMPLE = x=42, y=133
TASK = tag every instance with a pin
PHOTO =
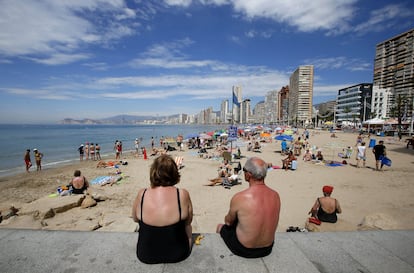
x=257, y=167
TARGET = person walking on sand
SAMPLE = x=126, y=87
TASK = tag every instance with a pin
x=250, y=224
x=38, y=158
x=81, y=152
x=97, y=151
x=379, y=152
x=27, y=160
x=87, y=151
x=92, y=151
x=136, y=145
x=361, y=155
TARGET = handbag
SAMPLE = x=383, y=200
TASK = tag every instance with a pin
x=314, y=220
x=386, y=161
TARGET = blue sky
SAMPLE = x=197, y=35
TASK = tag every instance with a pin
x=100, y=58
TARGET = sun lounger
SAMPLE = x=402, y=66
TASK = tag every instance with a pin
x=179, y=161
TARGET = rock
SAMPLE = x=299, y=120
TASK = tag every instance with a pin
x=88, y=202
x=47, y=207
x=378, y=221
x=25, y=221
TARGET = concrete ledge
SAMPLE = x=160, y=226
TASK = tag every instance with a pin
x=73, y=251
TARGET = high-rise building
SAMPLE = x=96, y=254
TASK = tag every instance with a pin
x=259, y=112
x=246, y=111
x=283, y=105
x=301, y=95
x=236, y=102
x=394, y=64
x=380, y=106
x=353, y=103
x=224, y=112
x=271, y=107
x=394, y=75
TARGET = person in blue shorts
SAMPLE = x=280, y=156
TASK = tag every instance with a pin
x=379, y=152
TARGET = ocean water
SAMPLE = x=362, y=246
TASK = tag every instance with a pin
x=59, y=143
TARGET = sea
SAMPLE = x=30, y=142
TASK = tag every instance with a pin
x=59, y=143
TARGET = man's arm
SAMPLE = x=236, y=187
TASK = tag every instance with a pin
x=231, y=216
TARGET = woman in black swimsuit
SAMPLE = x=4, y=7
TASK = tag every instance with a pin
x=326, y=207
x=164, y=214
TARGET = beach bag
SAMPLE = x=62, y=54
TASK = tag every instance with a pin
x=294, y=165
x=386, y=161
x=314, y=220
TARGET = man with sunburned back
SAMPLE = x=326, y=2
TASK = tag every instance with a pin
x=250, y=225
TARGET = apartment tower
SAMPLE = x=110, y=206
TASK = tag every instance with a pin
x=394, y=64
x=301, y=95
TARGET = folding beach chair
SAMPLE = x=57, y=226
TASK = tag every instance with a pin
x=227, y=156
x=179, y=161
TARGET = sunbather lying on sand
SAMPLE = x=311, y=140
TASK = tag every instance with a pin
x=225, y=181
x=103, y=164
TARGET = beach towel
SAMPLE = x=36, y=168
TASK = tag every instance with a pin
x=100, y=180
x=334, y=164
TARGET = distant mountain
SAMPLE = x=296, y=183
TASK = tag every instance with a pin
x=120, y=119
x=83, y=121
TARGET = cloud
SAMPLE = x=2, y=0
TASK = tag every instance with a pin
x=170, y=56
x=59, y=58
x=39, y=93
x=183, y=3
x=263, y=34
x=339, y=63
x=306, y=16
x=100, y=66
x=56, y=28
x=384, y=18
x=328, y=90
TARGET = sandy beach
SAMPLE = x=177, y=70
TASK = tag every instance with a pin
x=378, y=200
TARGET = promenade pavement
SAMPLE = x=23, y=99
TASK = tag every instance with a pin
x=72, y=251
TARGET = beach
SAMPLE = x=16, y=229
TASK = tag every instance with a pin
x=369, y=199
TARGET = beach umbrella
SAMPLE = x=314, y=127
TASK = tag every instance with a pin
x=288, y=132
x=284, y=137
x=169, y=140
x=264, y=134
x=224, y=134
x=205, y=136
x=192, y=135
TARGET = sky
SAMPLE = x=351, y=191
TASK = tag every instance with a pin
x=100, y=58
